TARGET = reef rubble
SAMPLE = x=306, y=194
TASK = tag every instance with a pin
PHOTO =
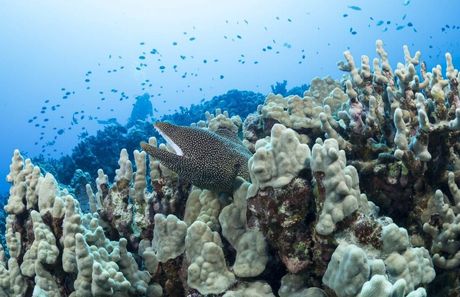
x=353, y=192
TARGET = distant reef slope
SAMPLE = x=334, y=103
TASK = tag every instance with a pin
x=95, y=152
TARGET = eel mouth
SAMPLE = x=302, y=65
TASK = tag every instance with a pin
x=163, y=129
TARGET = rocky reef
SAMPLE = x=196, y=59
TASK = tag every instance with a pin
x=353, y=192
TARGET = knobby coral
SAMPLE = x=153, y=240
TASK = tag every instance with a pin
x=350, y=191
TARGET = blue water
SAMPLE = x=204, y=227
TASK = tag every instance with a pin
x=68, y=67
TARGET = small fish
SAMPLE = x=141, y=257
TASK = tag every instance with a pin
x=354, y=7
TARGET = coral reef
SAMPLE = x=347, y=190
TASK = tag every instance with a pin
x=351, y=190
x=235, y=102
x=96, y=151
x=277, y=160
x=280, y=88
x=391, y=138
x=89, y=157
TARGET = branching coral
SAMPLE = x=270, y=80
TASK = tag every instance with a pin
x=341, y=184
x=347, y=271
x=444, y=227
x=203, y=205
x=277, y=160
x=207, y=272
x=254, y=289
x=168, y=237
x=351, y=267
x=384, y=141
x=294, y=285
x=55, y=226
x=250, y=245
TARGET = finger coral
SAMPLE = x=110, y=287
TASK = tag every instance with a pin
x=349, y=189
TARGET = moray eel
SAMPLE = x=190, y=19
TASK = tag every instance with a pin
x=209, y=160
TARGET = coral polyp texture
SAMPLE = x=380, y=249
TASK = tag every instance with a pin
x=351, y=190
